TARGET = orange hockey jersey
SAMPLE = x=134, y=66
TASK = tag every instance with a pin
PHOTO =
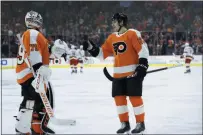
x=34, y=46
x=127, y=48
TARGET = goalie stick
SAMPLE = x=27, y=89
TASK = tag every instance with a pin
x=108, y=76
x=47, y=105
x=42, y=93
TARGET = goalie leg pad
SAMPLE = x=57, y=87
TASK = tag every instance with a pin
x=40, y=123
x=40, y=117
x=23, y=120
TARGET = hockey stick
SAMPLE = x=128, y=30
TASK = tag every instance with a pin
x=42, y=93
x=46, y=102
x=108, y=76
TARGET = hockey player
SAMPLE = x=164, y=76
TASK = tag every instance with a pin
x=81, y=57
x=34, y=51
x=131, y=61
x=73, y=59
x=188, y=55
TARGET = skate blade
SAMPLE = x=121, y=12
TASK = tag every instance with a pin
x=141, y=133
x=126, y=133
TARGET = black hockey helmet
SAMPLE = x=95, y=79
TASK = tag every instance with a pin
x=121, y=17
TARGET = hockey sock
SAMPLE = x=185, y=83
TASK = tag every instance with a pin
x=72, y=68
x=138, y=108
x=187, y=63
x=75, y=68
x=81, y=68
x=122, y=108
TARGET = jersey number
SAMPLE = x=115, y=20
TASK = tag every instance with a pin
x=119, y=47
x=20, y=56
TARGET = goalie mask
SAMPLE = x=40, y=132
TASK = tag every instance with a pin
x=33, y=20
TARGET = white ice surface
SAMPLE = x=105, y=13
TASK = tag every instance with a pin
x=172, y=99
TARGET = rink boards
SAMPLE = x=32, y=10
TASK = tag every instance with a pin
x=154, y=61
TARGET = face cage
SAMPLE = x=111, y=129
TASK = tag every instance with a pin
x=36, y=22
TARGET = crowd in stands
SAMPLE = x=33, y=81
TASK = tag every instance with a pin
x=165, y=25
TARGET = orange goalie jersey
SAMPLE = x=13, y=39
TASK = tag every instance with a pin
x=127, y=48
x=34, y=46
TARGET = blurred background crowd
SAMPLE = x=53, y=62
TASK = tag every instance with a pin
x=164, y=25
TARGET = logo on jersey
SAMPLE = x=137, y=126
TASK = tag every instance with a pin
x=119, y=47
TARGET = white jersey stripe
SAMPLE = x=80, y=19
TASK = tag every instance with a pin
x=23, y=73
x=125, y=69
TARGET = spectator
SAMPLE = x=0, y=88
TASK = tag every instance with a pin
x=177, y=22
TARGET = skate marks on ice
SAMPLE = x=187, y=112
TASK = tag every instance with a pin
x=172, y=102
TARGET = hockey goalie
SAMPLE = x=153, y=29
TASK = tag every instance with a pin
x=33, y=60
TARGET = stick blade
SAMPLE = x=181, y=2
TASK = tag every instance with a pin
x=108, y=76
x=65, y=122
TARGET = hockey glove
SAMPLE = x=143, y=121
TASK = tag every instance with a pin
x=43, y=76
x=89, y=46
x=85, y=43
x=141, y=70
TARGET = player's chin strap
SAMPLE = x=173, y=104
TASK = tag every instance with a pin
x=119, y=28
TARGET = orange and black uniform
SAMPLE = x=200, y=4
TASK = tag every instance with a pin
x=34, y=46
x=127, y=49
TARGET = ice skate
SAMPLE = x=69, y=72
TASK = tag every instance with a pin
x=139, y=129
x=125, y=128
x=187, y=71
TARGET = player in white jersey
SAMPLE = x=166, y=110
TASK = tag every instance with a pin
x=73, y=59
x=81, y=57
x=34, y=51
x=188, y=55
